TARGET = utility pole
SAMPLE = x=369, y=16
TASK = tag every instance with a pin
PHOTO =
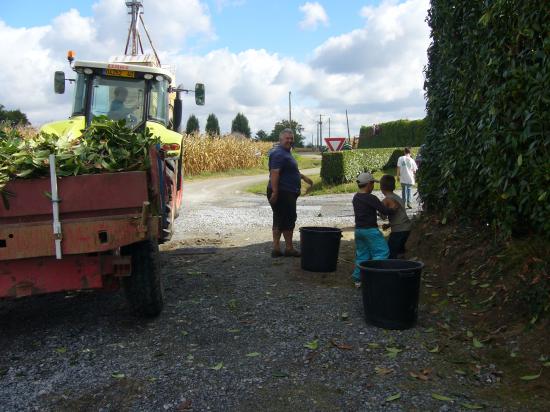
x=317, y=140
x=290, y=109
x=347, y=121
x=320, y=130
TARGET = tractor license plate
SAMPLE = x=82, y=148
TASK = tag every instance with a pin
x=121, y=73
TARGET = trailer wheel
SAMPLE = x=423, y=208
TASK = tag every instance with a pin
x=143, y=287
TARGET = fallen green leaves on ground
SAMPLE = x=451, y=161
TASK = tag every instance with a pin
x=393, y=397
x=253, y=354
x=217, y=366
x=313, y=345
x=531, y=377
x=442, y=397
x=105, y=146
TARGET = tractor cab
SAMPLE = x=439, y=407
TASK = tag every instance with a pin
x=135, y=93
x=134, y=87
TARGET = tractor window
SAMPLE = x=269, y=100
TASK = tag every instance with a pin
x=158, y=101
x=118, y=99
x=80, y=94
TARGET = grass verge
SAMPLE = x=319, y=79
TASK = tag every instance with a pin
x=320, y=188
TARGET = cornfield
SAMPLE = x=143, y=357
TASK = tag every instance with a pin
x=7, y=130
x=218, y=154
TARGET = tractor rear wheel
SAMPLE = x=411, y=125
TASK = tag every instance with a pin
x=143, y=288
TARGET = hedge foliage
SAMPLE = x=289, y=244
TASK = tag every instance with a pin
x=399, y=133
x=344, y=166
x=487, y=155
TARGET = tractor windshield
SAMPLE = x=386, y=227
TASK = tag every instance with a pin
x=118, y=99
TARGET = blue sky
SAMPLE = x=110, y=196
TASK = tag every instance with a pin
x=364, y=56
x=256, y=24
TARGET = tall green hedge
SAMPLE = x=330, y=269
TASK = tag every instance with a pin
x=487, y=154
x=399, y=133
x=344, y=166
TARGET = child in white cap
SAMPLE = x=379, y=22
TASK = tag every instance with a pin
x=369, y=241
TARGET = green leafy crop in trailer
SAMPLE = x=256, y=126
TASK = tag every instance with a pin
x=105, y=146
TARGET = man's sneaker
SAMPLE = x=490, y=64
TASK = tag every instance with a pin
x=357, y=284
x=409, y=206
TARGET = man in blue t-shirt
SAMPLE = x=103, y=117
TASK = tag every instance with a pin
x=283, y=190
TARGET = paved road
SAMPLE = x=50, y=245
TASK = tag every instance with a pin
x=231, y=336
x=217, y=210
x=220, y=209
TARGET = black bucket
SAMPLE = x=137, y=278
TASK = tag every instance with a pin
x=320, y=247
x=390, y=292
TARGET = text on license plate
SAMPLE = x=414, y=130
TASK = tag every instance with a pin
x=121, y=73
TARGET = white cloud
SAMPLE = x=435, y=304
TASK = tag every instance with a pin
x=388, y=55
x=375, y=72
x=222, y=4
x=314, y=14
x=35, y=53
x=170, y=22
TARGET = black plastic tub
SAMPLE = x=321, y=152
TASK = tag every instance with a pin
x=391, y=289
x=320, y=247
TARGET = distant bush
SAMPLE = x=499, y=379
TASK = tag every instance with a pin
x=344, y=166
x=394, y=157
x=399, y=133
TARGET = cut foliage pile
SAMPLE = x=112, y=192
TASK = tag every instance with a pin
x=105, y=146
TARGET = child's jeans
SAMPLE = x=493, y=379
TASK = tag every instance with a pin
x=406, y=192
x=369, y=245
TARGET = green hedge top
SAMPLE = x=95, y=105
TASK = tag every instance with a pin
x=399, y=133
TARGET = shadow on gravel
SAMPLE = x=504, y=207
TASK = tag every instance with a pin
x=240, y=331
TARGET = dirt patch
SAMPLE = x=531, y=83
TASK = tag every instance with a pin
x=486, y=305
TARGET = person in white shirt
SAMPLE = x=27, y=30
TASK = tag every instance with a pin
x=406, y=169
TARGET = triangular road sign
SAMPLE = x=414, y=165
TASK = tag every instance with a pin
x=335, y=144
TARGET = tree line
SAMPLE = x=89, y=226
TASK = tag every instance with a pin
x=240, y=125
x=14, y=117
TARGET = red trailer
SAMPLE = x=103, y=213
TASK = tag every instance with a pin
x=110, y=227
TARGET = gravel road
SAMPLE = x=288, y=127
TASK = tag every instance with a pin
x=240, y=330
